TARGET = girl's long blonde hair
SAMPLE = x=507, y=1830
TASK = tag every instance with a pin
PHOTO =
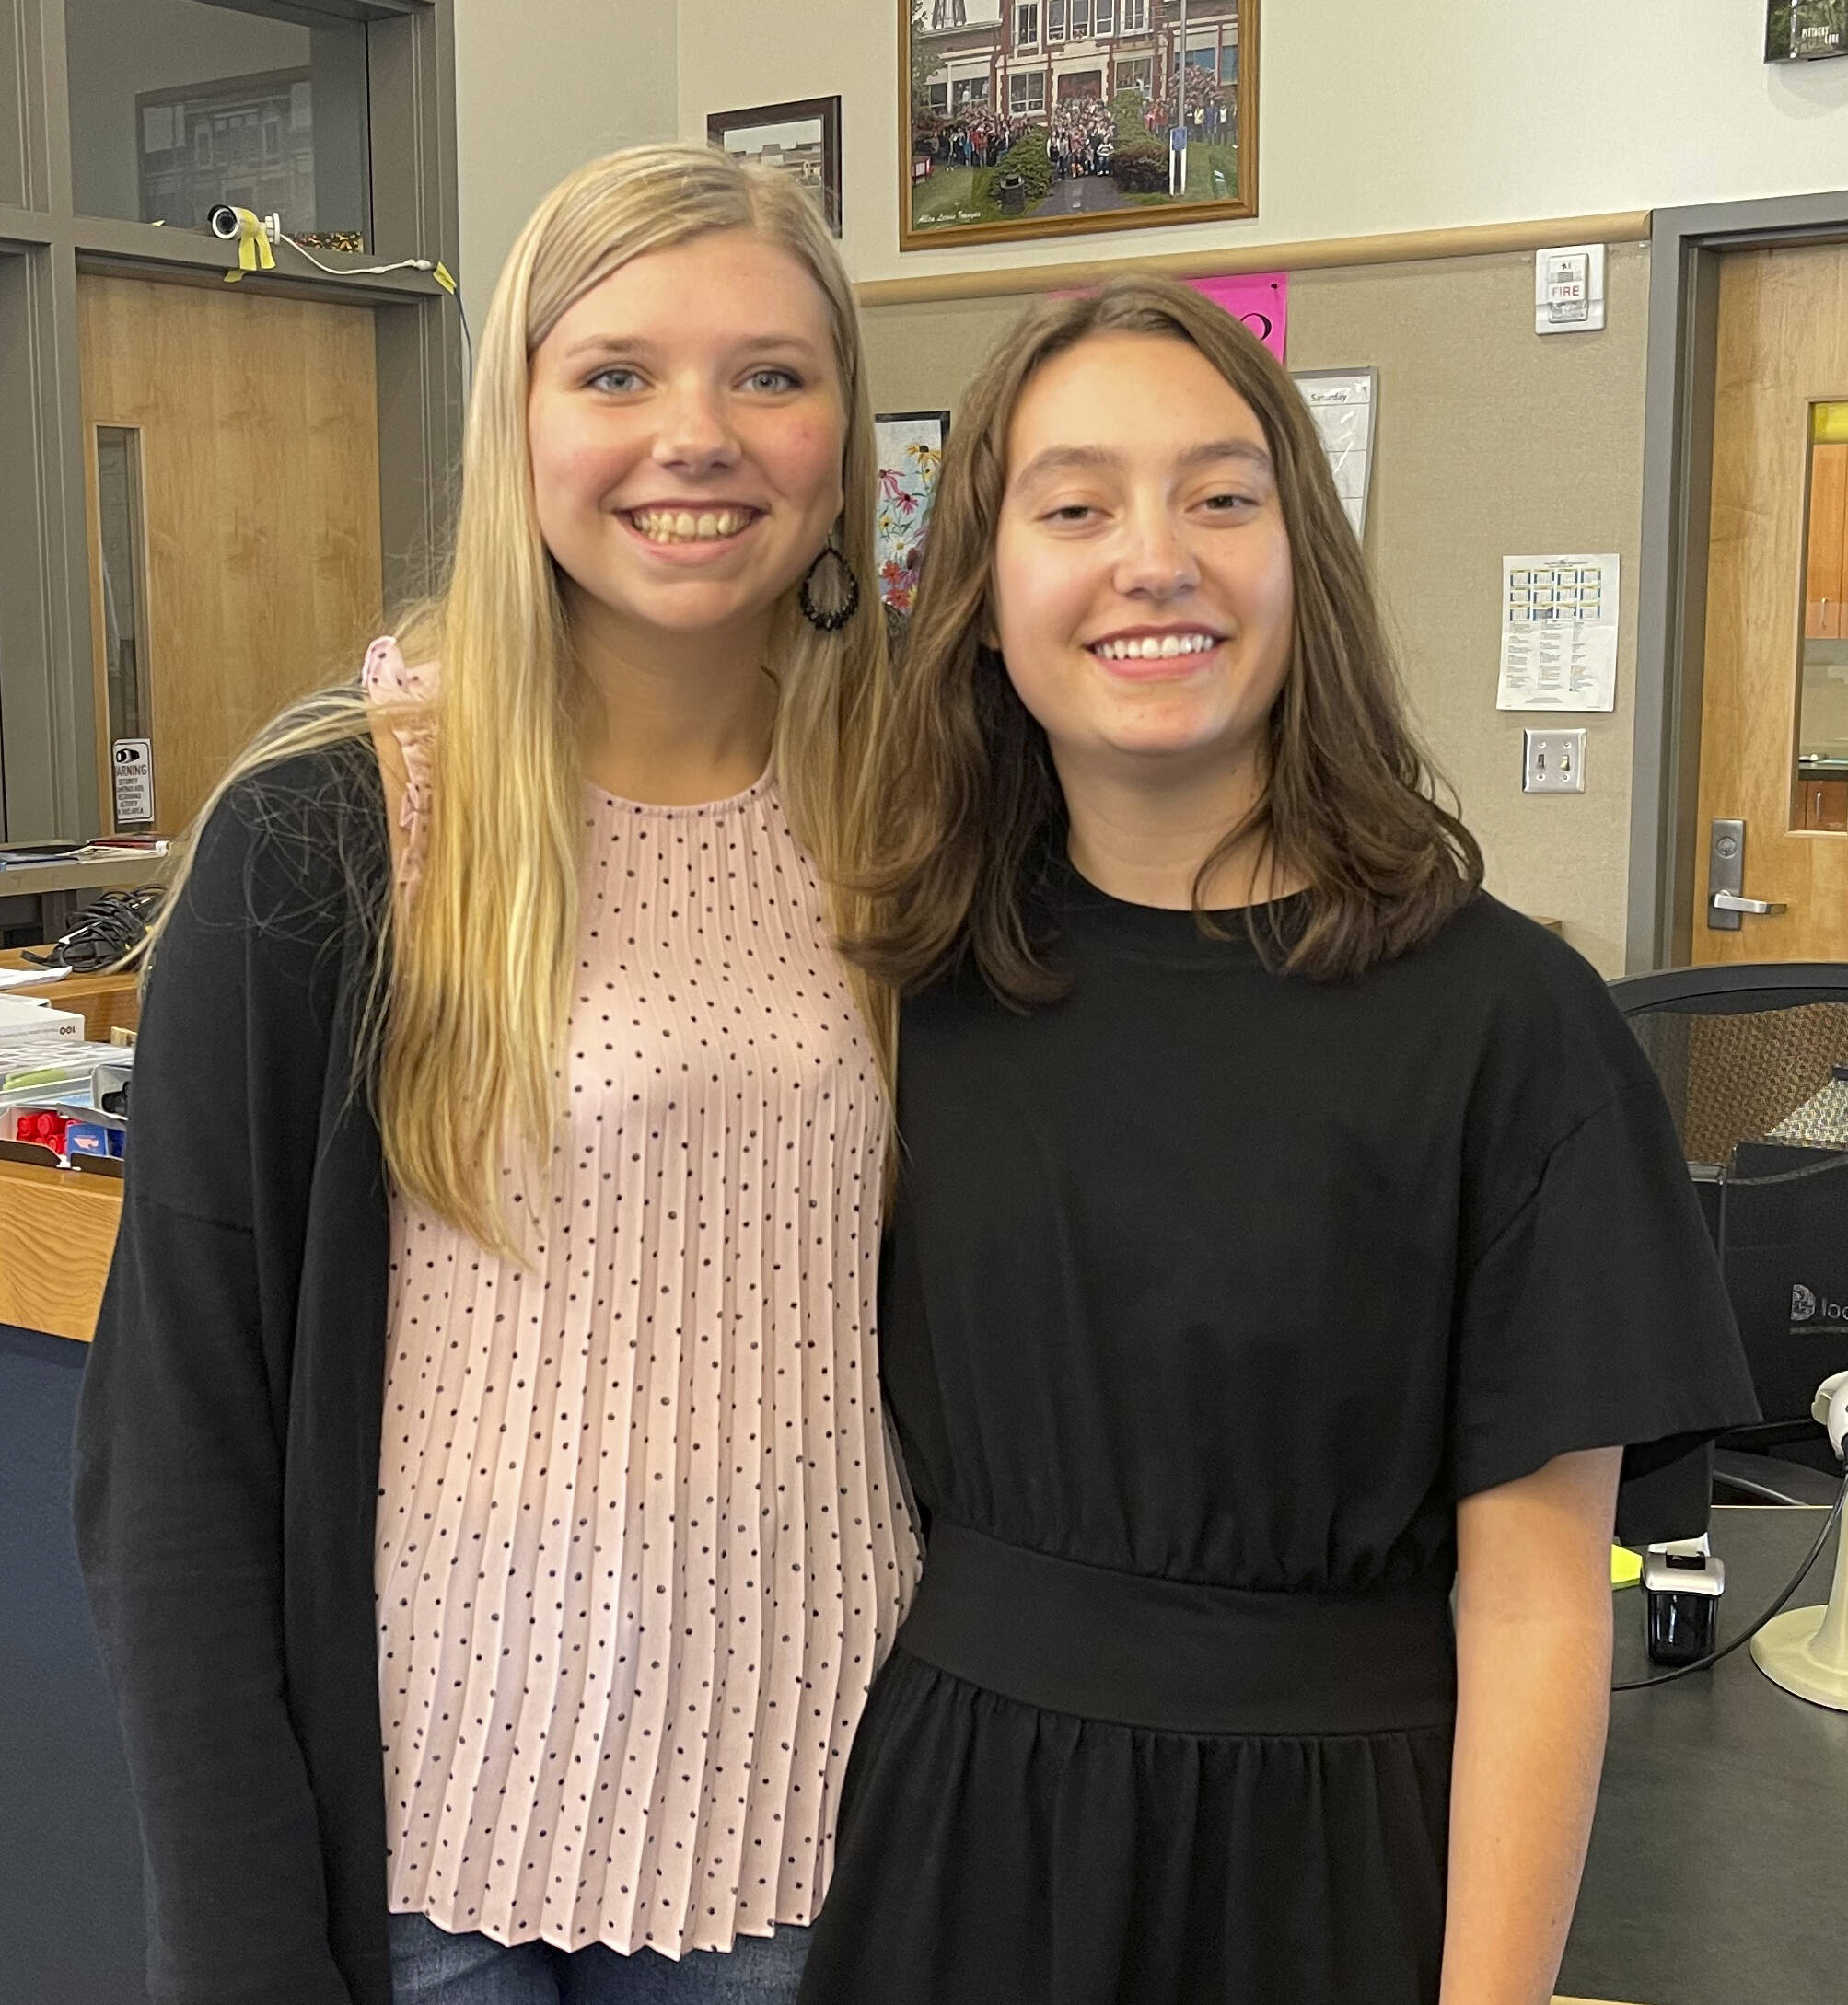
x=472, y=989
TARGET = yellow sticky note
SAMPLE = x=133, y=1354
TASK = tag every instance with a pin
x=1626, y=1567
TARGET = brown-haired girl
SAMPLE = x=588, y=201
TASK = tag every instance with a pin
x=1288, y=1233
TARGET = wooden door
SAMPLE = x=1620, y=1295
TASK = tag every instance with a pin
x=257, y=423
x=1777, y=503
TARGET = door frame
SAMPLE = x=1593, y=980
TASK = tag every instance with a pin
x=1685, y=248
x=49, y=785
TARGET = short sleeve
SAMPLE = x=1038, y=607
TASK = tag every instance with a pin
x=1597, y=1317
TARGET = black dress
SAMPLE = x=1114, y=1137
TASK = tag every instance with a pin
x=1211, y=1290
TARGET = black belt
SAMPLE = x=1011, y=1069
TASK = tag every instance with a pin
x=1179, y=1656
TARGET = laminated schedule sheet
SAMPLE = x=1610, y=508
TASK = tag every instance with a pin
x=1559, y=633
x=1343, y=403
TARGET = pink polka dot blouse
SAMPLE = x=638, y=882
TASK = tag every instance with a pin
x=641, y=1540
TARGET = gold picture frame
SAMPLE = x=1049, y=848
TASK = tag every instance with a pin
x=1022, y=118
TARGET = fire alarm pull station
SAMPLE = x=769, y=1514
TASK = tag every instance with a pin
x=1569, y=290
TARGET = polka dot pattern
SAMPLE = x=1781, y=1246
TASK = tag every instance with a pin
x=641, y=1544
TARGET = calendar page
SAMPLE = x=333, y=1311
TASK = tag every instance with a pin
x=1559, y=633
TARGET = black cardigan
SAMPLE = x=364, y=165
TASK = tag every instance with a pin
x=228, y=1438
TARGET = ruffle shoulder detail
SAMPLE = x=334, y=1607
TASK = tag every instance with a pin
x=390, y=681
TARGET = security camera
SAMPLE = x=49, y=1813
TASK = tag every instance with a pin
x=223, y=219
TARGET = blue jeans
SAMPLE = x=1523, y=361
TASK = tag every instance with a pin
x=429, y=1966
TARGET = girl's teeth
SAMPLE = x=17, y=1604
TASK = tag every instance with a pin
x=681, y=526
x=1158, y=647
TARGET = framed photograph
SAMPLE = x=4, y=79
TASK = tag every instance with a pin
x=1052, y=117
x=1803, y=31
x=801, y=139
x=911, y=455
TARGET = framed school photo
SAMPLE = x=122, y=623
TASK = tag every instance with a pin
x=1053, y=118
x=801, y=139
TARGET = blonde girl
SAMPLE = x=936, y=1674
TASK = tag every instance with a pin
x=482, y=1487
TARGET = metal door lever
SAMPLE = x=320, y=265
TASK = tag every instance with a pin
x=1726, y=876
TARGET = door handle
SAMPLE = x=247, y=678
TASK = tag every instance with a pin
x=1726, y=903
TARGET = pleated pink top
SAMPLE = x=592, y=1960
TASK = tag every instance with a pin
x=641, y=1539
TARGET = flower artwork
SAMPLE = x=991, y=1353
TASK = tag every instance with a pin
x=910, y=452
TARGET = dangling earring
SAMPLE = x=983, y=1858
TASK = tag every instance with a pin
x=832, y=620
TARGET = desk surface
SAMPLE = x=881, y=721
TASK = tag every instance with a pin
x=1715, y=1871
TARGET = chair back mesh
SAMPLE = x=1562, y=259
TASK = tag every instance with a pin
x=1742, y=1075
x=1754, y=1063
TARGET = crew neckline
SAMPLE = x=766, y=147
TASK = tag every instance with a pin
x=675, y=810
x=1163, y=931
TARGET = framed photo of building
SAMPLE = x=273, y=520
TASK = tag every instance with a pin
x=911, y=456
x=801, y=139
x=1802, y=31
x=1052, y=117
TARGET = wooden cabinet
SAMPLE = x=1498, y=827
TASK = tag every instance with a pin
x=1828, y=571
x=1821, y=804
x=57, y=1233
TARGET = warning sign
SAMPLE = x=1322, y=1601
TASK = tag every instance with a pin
x=133, y=768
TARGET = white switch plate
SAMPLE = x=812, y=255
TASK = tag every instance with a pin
x=1553, y=762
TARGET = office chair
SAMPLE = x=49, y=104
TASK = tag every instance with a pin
x=1754, y=1063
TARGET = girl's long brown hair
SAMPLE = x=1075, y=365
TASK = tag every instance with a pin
x=971, y=797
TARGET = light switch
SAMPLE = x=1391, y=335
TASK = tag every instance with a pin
x=1554, y=762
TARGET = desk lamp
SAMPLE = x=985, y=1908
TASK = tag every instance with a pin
x=1806, y=1650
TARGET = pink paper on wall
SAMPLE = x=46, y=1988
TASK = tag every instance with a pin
x=1261, y=299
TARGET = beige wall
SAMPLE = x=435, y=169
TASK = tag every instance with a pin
x=542, y=85
x=1491, y=441
x=1415, y=116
